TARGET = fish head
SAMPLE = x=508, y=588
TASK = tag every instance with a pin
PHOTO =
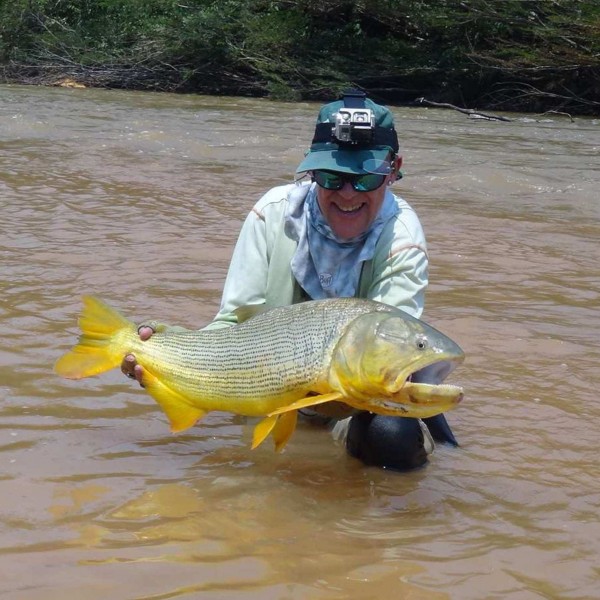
x=392, y=363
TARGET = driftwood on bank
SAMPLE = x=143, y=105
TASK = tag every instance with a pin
x=467, y=111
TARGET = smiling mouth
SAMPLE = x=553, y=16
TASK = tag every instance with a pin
x=350, y=209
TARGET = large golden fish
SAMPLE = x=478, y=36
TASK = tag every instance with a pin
x=350, y=350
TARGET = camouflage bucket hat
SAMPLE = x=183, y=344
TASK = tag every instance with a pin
x=345, y=142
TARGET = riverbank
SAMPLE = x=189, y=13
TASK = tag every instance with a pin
x=513, y=56
x=513, y=97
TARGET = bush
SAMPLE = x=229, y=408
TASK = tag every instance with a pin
x=509, y=54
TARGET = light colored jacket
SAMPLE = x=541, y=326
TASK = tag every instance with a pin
x=260, y=272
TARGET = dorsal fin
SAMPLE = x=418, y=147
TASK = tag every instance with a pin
x=243, y=313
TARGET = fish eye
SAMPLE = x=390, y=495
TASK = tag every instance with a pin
x=421, y=343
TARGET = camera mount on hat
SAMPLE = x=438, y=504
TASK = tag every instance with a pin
x=355, y=126
x=355, y=123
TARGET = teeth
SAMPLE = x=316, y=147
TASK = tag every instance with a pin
x=349, y=208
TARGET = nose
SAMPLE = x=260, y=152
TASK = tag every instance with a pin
x=347, y=191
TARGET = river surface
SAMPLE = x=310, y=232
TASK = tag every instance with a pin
x=138, y=198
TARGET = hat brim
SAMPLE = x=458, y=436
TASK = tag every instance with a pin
x=342, y=161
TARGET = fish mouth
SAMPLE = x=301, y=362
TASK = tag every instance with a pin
x=434, y=370
x=419, y=400
x=417, y=395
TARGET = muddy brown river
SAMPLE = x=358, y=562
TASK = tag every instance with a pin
x=138, y=198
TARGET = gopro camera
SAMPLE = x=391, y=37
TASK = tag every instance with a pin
x=354, y=125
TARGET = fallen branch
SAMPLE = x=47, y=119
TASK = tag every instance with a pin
x=559, y=112
x=466, y=111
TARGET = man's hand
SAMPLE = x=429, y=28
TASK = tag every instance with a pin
x=145, y=331
x=129, y=365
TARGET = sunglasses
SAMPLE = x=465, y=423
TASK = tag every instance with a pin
x=335, y=181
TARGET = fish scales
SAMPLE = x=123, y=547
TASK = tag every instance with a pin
x=252, y=361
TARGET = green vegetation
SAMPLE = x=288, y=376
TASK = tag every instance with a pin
x=504, y=54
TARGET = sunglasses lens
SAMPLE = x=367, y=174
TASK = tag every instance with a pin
x=336, y=181
x=327, y=180
x=368, y=183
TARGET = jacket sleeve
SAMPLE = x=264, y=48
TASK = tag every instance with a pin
x=246, y=280
x=399, y=272
x=401, y=279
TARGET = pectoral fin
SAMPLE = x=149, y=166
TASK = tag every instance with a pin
x=179, y=412
x=308, y=401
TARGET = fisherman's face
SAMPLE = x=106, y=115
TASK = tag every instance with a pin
x=349, y=212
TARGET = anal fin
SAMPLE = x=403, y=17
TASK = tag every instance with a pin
x=181, y=415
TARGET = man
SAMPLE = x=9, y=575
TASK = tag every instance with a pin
x=343, y=233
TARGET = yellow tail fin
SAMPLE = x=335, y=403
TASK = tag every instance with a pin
x=100, y=346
